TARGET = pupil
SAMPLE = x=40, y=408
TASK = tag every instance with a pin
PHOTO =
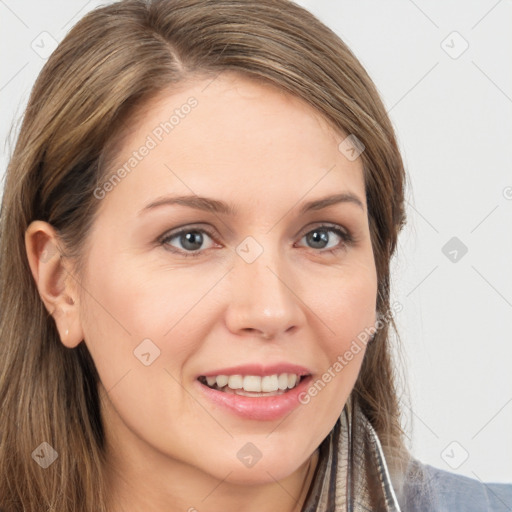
x=319, y=236
x=191, y=238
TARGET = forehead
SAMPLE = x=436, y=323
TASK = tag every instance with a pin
x=233, y=136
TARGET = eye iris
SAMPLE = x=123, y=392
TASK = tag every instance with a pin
x=318, y=236
x=191, y=238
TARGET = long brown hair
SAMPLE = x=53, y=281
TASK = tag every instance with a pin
x=112, y=61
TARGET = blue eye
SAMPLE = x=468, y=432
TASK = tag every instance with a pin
x=191, y=240
x=320, y=239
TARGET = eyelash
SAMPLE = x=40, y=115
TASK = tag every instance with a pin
x=346, y=237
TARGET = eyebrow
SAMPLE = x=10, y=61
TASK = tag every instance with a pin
x=215, y=206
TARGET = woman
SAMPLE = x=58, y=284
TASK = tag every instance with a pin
x=198, y=221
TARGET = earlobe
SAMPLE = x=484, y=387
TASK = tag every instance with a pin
x=54, y=281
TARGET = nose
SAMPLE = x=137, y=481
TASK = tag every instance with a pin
x=265, y=297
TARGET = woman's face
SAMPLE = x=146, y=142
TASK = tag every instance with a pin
x=177, y=292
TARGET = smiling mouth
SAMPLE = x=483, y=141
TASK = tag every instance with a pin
x=253, y=385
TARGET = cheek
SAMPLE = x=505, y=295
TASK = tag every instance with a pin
x=140, y=332
x=346, y=305
x=348, y=309
x=355, y=308
x=129, y=303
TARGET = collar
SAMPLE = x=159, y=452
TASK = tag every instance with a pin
x=351, y=474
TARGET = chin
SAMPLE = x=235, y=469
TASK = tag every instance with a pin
x=251, y=466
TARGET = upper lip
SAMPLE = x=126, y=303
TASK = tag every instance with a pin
x=259, y=370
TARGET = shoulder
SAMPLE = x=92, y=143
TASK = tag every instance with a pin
x=430, y=489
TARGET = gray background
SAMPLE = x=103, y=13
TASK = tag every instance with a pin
x=451, y=108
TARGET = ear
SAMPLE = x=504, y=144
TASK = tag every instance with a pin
x=55, y=281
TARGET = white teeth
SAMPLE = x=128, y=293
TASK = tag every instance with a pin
x=252, y=383
x=292, y=379
x=235, y=382
x=255, y=383
x=222, y=380
x=282, y=381
x=270, y=383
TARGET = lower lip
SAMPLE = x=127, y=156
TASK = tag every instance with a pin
x=263, y=408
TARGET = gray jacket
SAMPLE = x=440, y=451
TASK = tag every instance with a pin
x=443, y=491
x=352, y=475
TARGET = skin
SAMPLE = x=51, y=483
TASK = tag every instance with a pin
x=264, y=152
